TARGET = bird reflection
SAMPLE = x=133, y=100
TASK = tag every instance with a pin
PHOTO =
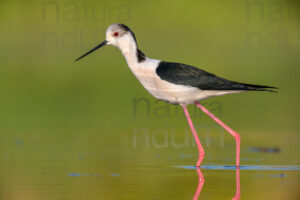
x=201, y=183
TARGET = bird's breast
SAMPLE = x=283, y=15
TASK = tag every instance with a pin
x=161, y=89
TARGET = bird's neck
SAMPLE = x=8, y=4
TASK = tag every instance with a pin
x=134, y=57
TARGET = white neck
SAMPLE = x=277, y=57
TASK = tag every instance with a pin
x=128, y=46
x=136, y=60
x=130, y=55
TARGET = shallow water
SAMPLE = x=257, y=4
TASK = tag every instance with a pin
x=31, y=170
x=149, y=182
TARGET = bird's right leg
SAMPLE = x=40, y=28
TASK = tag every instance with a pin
x=227, y=128
x=200, y=148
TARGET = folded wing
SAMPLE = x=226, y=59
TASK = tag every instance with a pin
x=181, y=74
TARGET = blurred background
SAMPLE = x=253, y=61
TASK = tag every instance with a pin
x=89, y=130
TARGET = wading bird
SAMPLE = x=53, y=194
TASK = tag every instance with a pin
x=175, y=83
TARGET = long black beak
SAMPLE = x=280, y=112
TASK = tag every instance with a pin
x=94, y=49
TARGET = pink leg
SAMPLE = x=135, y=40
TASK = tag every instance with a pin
x=200, y=184
x=232, y=132
x=200, y=148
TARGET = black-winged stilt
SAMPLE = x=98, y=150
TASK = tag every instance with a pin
x=175, y=83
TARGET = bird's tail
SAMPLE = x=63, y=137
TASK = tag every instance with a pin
x=252, y=87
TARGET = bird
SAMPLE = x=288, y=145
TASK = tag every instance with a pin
x=175, y=83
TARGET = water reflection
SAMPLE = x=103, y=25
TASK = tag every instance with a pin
x=238, y=186
x=200, y=184
x=201, y=181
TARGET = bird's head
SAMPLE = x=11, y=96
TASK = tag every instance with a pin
x=118, y=35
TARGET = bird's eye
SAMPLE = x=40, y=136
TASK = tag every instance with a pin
x=116, y=34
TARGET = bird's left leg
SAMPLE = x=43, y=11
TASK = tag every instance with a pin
x=200, y=148
x=227, y=128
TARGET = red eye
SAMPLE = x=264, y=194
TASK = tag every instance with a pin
x=116, y=34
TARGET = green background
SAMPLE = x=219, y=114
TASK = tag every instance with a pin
x=60, y=117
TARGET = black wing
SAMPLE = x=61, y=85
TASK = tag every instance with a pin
x=182, y=74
